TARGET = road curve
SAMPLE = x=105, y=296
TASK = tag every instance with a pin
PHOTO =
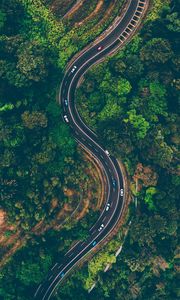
x=115, y=199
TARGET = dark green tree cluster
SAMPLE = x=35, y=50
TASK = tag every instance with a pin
x=131, y=100
x=35, y=145
x=31, y=264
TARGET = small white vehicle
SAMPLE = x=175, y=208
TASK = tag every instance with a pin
x=107, y=152
x=101, y=227
x=114, y=182
x=108, y=206
x=66, y=119
x=62, y=275
x=66, y=102
x=121, y=192
x=73, y=69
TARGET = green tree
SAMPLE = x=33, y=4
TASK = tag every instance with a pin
x=31, y=61
x=63, y=140
x=110, y=111
x=34, y=119
x=138, y=123
x=160, y=151
x=2, y=19
x=134, y=67
x=157, y=50
x=29, y=273
x=123, y=87
x=150, y=192
x=173, y=22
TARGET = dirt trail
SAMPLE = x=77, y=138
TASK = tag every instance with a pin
x=98, y=7
x=16, y=238
x=76, y=6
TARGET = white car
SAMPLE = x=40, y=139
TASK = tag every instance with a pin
x=108, y=206
x=73, y=69
x=114, y=182
x=101, y=227
x=66, y=102
x=62, y=274
x=121, y=192
x=66, y=119
x=107, y=152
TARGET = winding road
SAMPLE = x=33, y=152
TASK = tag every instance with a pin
x=121, y=32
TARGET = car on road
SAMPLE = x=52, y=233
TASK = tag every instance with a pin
x=73, y=69
x=101, y=227
x=108, y=206
x=107, y=152
x=62, y=275
x=66, y=102
x=100, y=48
x=66, y=119
x=114, y=182
x=94, y=243
x=121, y=192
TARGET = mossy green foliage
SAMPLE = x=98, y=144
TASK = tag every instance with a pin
x=143, y=128
x=6, y=107
x=130, y=100
x=156, y=7
x=36, y=145
x=150, y=192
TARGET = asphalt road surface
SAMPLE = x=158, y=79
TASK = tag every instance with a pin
x=112, y=211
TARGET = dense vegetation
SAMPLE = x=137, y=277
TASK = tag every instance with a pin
x=35, y=144
x=41, y=170
x=131, y=101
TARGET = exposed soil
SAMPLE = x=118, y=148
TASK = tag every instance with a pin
x=75, y=8
x=2, y=217
x=12, y=238
x=98, y=7
x=60, y=7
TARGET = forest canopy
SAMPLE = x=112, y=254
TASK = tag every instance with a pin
x=131, y=101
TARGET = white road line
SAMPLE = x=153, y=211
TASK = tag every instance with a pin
x=54, y=266
x=78, y=242
x=93, y=232
x=83, y=249
x=37, y=290
x=115, y=207
x=91, y=249
x=104, y=218
x=82, y=120
x=70, y=107
x=108, y=185
x=60, y=266
x=90, y=242
x=90, y=66
x=88, y=251
x=50, y=277
x=71, y=254
x=98, y=40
